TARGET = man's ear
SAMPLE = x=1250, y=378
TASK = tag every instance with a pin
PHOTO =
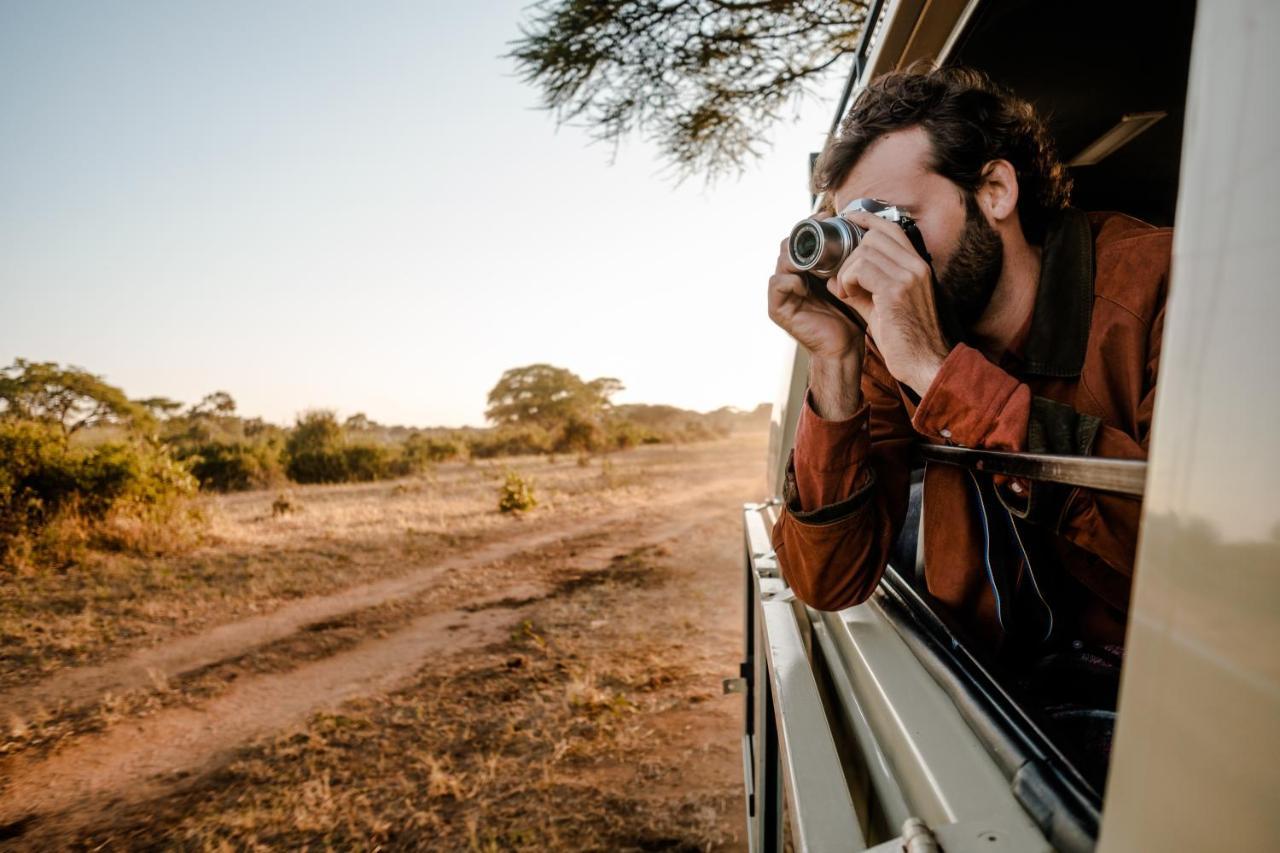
x=998, y=195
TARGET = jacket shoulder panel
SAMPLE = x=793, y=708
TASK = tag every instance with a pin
x=1131, y=260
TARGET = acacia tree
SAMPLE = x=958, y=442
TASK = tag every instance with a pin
x=160, y=408
x=359, y=422
x=702, y=78
x=548, y=396
x=218, y=403
x=71, y=397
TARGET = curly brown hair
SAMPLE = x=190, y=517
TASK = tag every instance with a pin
x=971, y=120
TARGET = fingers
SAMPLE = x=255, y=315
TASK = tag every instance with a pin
x=783, y=289
x=789, y=294
x=783, y=285
x=891, y=237
x=894, y=268
x=856, y=298
x=885, y=244
x=870, y=271
x=784, y=264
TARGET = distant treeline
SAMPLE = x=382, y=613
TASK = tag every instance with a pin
x=76, y=452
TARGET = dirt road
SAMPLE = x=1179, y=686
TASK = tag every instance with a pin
x=551, y=682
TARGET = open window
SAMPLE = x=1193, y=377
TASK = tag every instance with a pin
x=1110, y=79
x=886, y=712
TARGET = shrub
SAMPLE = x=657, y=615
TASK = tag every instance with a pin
x=509, y=441
x=233, y=466
x=419, y=452
x=364, y=463
x=315, y=430
x=125, y=495
x=623, y=435
x=516, y=494
x=577, y=435
x=314, y=449
x=317, y=466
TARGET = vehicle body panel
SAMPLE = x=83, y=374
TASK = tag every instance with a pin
x=1198, y=740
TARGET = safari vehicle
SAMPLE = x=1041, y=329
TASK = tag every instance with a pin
x=880, y=727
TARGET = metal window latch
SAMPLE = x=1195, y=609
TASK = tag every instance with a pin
x=734, y=685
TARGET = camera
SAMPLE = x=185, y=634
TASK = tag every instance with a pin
x=820, y=246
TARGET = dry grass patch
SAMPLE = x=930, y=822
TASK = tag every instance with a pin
x=551, y=739
x=101, y=604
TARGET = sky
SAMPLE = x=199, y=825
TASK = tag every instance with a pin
x=360, y=206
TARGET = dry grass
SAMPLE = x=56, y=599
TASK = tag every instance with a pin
x=550, y=740
x=596, y=724
x=254, y=557
x=52, y=726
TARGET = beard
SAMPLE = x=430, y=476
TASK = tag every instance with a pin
x=966, y=284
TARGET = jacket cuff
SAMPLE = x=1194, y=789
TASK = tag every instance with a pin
x=973, y=403
x=830, y=513
x=826, y=446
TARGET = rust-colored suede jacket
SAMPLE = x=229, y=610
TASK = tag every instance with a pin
x=1005, y=554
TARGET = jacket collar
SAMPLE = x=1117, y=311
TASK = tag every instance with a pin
x=1060, y=319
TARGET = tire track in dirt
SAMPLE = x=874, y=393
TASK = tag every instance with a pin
x=183, y=654
x=139, y=760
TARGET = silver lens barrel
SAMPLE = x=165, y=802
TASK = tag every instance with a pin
x=819, y=246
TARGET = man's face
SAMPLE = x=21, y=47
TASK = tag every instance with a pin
x=967, y=251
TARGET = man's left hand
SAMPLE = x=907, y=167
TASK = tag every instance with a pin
x=887, y=282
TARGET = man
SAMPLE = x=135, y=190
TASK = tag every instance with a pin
x=1061, y=315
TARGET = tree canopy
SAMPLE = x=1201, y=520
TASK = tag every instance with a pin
x=70, y=397
x=548, y=396
x=703, y=78
x=218, y=403
x=160, y=407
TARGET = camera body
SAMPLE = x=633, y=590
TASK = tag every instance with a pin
x=820, y=246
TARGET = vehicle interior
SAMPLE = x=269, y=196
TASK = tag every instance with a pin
x=1110, y=79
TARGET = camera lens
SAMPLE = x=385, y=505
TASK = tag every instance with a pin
x=806, y=244
x=819, y=246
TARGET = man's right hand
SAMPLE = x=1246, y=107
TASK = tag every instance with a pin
x=835, y=344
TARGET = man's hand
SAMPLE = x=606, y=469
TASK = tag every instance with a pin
x=887, y=282
x=835, y=344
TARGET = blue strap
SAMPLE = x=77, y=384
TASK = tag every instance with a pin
x=997, y=547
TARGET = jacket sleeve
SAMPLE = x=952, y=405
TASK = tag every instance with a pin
x=974, y=403
x=845, y=495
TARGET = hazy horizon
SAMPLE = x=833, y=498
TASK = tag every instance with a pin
x=323, y=206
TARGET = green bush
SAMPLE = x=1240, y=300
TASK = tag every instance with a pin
x=317, y=451
x=419, y=452
x=317, y=466
x=234, y=466
x=314, y=449
x=431, y=449
x=364, y=463
x=623, y=435
x=516, y=494
x=45, y=479
x=577, y=435
x=315, y=431
x=510, y=441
